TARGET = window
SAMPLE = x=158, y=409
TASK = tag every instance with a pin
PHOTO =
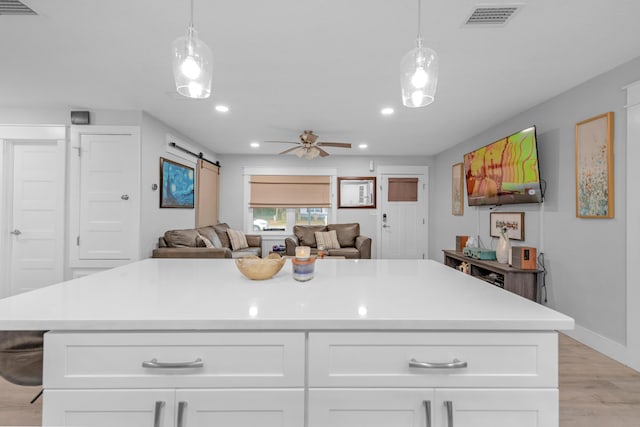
x=269, y=219
x=311, y=216
x=278, y=202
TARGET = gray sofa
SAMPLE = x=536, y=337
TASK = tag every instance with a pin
x=187, y=243
x=352, y=244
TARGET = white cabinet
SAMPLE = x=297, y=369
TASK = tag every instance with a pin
x=169, y=408
x=371, y=408
x=411, y=379
x=433, y=407
x=312, y=379
x=241, y=408
x=108, y=408
x=174, y=379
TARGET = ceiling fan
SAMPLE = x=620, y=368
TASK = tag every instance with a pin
x=309, y=146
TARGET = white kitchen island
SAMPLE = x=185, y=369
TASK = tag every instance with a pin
x=191, y=342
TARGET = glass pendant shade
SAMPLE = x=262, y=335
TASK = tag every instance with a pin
x=192, y=65
x=419, y=76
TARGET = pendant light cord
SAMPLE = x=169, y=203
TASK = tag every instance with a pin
x=191, y=17
x=419, y=14
x=419, y=36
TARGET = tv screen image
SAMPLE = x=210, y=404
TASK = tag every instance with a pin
x=505, y=171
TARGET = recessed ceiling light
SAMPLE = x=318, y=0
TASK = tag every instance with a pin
x=255, y=144
x=222, y=108
x=362, y=146
x=386, y=111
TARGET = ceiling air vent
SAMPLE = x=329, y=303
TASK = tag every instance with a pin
x=491, y=15
x=14, y=7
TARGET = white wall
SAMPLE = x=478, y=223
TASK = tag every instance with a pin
x=585, y=258
x=155, y=221
x=232, y=207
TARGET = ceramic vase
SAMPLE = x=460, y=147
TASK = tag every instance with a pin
x=503, y=249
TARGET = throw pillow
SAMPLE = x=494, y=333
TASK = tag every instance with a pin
x=238, y=239
x=328, y=239
x=221, y=231
x=306, y=234
x=210, y=233
x=181, y=238
x=207, y=242
x=347, y=233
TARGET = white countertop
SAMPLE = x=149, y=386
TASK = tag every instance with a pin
x=211, y=294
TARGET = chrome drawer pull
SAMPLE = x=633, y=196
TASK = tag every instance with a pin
x=449, y=405
x=181, y=406
x=456, y=364
x=153, y=363
x=156, y=413
x=427, y=412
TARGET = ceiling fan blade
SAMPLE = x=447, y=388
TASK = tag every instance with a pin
x=321, y=151
x=290, y=150
x=334, y=144
x=283, y=142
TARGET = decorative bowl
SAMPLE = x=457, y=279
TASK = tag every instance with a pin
x=256, y=268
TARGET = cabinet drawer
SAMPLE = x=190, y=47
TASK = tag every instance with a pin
x=115, y=360
x=511, y=359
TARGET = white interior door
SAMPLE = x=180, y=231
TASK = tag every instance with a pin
x=109, y=202
x=36, y=219
x=403, y=229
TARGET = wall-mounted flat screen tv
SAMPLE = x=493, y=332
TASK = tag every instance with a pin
x=505, y=171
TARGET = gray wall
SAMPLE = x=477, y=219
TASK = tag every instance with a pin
x=585, y=258
x=153, y=220
x=231, y=183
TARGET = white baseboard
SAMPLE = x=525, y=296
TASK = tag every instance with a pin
x=606, y=346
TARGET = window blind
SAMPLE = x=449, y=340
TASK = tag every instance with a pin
x=403, y=190
x=290, y=191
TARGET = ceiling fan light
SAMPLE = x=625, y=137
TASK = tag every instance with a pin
x=312, y=153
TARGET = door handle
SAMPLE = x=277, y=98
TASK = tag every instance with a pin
x=153, y=363
x=449, y=405
x=156, y=413
x=427, y=412
x=456, y=364
x=125, y=197
x=386, y=226
x=181, y=407
x=16, y=232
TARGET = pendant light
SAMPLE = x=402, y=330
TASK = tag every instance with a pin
x=192, y=64
x=419, y=73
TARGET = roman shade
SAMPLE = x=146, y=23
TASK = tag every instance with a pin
x=290, y=191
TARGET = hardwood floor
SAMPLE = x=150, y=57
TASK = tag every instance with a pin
x=15, y=409
x=595, y=391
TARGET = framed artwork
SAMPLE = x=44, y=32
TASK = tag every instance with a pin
x=176, y=188
x=457, y=189
x=357, y=192
x=594, y=167
x=513, y=221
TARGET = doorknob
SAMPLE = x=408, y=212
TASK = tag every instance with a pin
x=16, y=232
x=125, y=197
x=386, y=226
